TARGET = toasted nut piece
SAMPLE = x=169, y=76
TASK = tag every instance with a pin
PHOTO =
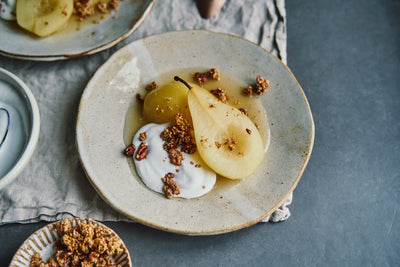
x=130, y=150
x=142, y=152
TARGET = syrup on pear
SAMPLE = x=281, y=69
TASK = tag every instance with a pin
x=227, y=140
x=161, y=104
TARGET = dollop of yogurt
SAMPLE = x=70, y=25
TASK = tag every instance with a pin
x=193, y=177
x=8, y=9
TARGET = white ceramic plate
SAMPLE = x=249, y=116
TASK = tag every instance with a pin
x=43, y=240
x=231, y=205
x=69, y=42
x=23, y=126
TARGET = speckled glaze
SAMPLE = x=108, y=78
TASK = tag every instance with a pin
x=231, y=205
x=24, y=126
x=43, y=240
x=67, y=43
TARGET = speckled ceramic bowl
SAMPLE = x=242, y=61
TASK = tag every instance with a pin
x=231, y=205
x=23, y=126
x=43, y=240
x=69, y=42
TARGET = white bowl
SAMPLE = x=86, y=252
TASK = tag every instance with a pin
x=24, y=126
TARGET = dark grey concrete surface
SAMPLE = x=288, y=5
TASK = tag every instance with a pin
x=346, y=56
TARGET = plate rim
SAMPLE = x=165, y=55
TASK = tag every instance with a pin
x=226, y=229
x=99, y=48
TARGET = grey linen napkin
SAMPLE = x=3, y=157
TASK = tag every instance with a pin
x=53, y=185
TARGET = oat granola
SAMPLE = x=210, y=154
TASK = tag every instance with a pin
x=82, y=8
x=202, y=77
x=259, y=88
x=215, y=74
x=151, y=86
x=82, y=245
x=175, y=156
x=179, y=134
x=220, y=94
x=143, y=136
x=170, y=187
x=102, y=7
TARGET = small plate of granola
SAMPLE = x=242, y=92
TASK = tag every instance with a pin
x=252, y=125
x=73, y=242
x=88, y=29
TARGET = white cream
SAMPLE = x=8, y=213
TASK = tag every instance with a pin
x=193, y=181
x=7, y=9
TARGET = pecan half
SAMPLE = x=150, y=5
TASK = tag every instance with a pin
x=142, y=152
x=130, y=150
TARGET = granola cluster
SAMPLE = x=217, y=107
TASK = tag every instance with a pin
x=220, y=94
x=83, y=9
x=202, y=77
x=84, y=245
x=151, y=86
x=259, y=88
x=170, y=187
x=175, y=156
x=179, y=134
x=143, y=136
x=214, y=74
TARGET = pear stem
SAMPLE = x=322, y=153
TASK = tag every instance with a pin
x=179, y=79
